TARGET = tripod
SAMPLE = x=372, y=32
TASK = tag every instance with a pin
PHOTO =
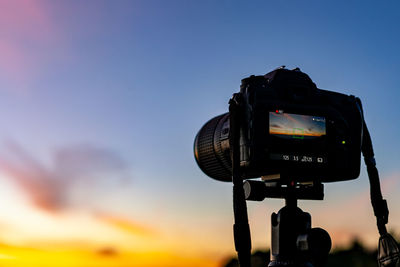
x=293, y=242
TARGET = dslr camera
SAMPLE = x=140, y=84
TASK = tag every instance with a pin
x=290, y=128
x=295, y=136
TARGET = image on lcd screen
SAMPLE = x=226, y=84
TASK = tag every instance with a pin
x=295, y=126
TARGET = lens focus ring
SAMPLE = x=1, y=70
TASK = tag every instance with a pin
x=208, y=152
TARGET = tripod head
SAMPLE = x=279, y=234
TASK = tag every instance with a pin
x=259, y=190
x=293, y=242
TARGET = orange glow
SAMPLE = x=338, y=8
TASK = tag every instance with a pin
x=291, y=133
x=24, y=256
x=32, y=236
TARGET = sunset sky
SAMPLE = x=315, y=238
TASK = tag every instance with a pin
x=296, y=124
x=100, y=102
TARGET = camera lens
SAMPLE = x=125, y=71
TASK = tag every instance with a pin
x=211, y=148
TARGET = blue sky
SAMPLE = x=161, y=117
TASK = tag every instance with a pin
x=136, y=80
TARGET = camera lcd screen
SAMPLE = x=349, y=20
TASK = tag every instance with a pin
x=296, y=126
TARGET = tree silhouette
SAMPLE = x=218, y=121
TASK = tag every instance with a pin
x=354, y=256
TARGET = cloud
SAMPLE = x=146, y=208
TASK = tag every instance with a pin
x=125, y=224
x=276, y=125
x=25, y=26
x=24, y=17
x=85, y=159
x=50, y=188
x=108, y=252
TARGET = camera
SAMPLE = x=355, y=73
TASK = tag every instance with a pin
x=289, y=128
x=295, y=136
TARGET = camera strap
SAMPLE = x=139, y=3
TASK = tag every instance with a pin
x=241, y=228
x=379, y=204
x=388, y=249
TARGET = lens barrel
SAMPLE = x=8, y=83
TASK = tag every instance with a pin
x=211, y=148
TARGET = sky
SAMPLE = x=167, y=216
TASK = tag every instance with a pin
x=100, y=102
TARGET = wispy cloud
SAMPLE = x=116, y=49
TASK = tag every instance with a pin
x=25, y=26
x=125, y=224
x=87, y=169
x=50, y=188
x=24, y=17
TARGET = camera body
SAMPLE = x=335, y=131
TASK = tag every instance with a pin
x=289, y=129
